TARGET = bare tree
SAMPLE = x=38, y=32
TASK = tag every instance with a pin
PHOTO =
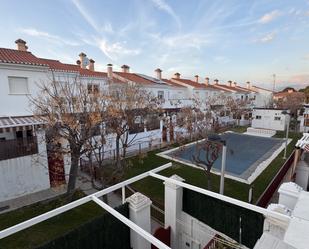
x=71, y=112
x=206, y=153
x=130, y=104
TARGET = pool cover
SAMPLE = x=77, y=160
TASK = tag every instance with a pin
x=244, y=153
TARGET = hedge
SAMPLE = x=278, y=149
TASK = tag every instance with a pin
x=224, y=217
x=103, y=232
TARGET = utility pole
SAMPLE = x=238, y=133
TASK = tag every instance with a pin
x=274, y=82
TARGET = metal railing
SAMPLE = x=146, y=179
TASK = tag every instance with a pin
x=10, y=149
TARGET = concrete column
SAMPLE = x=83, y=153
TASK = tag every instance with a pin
x=139, y=206
x=173, y=208
x=288, y=194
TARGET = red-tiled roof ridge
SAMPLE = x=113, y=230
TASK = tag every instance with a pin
x=169, y=82
x=14, y=56
x=56, y=65
x=193, y=83
x=263, y=89
x=133, y=77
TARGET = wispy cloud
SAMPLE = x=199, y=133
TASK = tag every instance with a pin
x=269, y=17
x=163, y=5
x=50, y=37
x=116, y=49
x=267, y=38
x=186, y=40
x=86, y=15
x=221, y=59
x=306, y=57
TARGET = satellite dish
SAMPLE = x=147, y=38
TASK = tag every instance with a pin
x=85, y=62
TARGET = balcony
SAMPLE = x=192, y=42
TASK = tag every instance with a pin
x=10, y=149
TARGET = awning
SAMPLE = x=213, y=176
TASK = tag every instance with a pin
x=301, y=143
x=10, y=124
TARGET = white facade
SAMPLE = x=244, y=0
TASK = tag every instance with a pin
x=272, y=119
x=25, y=175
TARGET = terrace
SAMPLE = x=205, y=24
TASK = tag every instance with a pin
x=20, y=147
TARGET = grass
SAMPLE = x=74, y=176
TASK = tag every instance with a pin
x=47, y=230
x=155, y=189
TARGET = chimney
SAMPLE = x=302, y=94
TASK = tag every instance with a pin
x=216, y=81
x=78, y=62
x=91, y=65
x=235, y=84
x=125, y=69
x=82, y=58
x=110, y=71
x=21, y=45
x=177, y=75
x=229, y=83
x=158, y=72
x=248, y=85
x=196, y=78
x=206, y=81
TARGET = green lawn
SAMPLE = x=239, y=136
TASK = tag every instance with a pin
x=47, y=230
x=154, y=188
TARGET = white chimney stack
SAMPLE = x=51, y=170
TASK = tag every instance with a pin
x=125, y=69
x=229, y=83
x=91, y=65
x=206, y=81
x=196, y=78
x=177, y=75
x=82, y=58
x=21, y=45
x=248, y=85
x=110, y=71
x=216, y=81
x=158, y=72
x=235, y=84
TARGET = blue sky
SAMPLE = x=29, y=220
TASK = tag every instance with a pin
x=237, y=40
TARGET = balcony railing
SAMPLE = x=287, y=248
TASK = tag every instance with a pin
x=10, y=149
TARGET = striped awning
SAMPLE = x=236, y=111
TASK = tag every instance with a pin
x=301, y=143
x=9, y=124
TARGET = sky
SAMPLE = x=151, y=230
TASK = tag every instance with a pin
x=236, y=40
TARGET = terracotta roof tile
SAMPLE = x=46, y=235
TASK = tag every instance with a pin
x=195, y=84
x=19, y=57
x=134, y=78
x=56, y=65
x=169, y=82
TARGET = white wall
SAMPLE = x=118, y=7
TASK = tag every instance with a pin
x=25, y=175
x=18, y=105
x=267, y=120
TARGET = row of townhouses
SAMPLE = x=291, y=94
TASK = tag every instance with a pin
x=24, y=164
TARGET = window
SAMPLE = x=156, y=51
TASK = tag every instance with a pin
x=258, y=117
x=160, y=94
x=93, y=88
x=277, y=118
x=18, y=85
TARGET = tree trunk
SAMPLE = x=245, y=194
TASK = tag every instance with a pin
x=118, y=151
x=73, y=172
x=208, y=174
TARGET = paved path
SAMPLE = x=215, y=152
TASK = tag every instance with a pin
x=29, y=199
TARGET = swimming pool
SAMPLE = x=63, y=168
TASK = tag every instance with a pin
x=247, y=155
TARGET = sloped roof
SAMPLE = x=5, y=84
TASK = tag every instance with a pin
x=19, y=57
x=134, y=78
x=56, y=65
x=169, y=82
x=195, y=84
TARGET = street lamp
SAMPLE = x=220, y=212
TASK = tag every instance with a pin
x=217, y=139
x=287, y=132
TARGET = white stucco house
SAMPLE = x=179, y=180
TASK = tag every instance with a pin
x=269, y=118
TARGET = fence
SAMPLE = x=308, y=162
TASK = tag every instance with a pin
x=103, y=232
x=18, y=147
x=240, y=224
x=274, y=184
